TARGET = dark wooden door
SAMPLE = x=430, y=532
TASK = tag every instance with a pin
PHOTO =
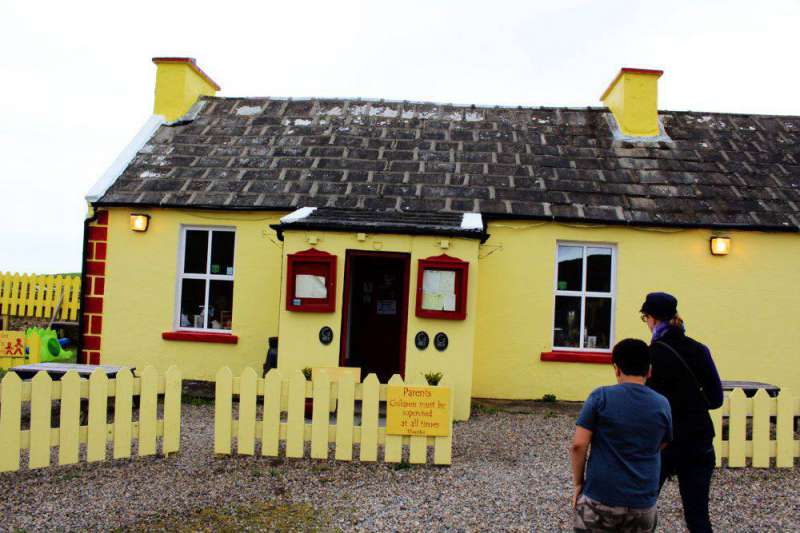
x=375, y=313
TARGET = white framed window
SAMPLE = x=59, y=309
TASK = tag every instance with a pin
x=584, y=296
x=205, y=279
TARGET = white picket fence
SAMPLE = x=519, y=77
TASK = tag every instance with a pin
x=288, y=395
x=71, y=391
x=759, y=411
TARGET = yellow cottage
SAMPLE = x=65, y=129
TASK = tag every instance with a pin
x=508, y=248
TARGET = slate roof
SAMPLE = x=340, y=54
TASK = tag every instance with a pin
x=719, y=170
x=367, y=220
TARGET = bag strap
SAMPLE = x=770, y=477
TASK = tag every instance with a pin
x=689, y=370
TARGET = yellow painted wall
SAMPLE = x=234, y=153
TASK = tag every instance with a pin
x=299, y=341
x=741, y=305
x=140, y=292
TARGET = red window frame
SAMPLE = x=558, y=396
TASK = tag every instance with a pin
x=445, y=262
x=317, y=263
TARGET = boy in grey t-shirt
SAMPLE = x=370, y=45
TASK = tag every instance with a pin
x=626, y=426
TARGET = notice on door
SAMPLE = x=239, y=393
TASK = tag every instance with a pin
x=421, y=411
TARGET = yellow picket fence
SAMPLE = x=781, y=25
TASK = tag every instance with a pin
x=32, y=295
x=764, y=416
x=73, y=392
x=288, y=395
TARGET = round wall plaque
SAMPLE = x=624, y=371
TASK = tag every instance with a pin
x=421, y=340
x=326, y=335
x=440, y=341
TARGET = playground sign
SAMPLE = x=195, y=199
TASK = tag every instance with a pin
x=12, y=344
x=12, y=349
x=420, y=411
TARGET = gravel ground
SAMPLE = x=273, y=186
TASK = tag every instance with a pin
x=510, y=473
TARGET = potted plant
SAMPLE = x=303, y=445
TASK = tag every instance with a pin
x=433, y=378
x=309, y=411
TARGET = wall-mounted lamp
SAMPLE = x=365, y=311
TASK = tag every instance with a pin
x=720, y=245
x=139, y=222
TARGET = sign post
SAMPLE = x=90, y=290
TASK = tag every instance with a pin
x=418, y=411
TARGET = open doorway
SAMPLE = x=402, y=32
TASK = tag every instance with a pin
x=375, y=313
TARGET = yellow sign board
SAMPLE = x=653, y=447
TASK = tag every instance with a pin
x=418, y=410
x=12, y=348
x=335, y=373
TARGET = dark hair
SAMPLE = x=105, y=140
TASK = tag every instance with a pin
x=632, y=357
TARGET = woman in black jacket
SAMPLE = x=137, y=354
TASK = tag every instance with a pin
x=684, y=372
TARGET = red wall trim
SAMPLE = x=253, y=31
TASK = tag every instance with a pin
x=93, y=305
x=315, y=262
x=603, y=358
x=198, y=336
x=445, y=262
x=94, y=267
x=91, y=342
x=97, y=233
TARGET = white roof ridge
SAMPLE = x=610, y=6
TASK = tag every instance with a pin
x=124, y=158
x=298, y=214
x=472, y=221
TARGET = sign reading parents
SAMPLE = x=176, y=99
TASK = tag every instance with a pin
x=422, y=411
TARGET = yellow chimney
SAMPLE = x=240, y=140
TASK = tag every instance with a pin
x=179, y=83
x=633, y=99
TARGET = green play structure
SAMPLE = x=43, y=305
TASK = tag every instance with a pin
x=52, y=349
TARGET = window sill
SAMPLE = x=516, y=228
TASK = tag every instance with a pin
x=565, y=356
x=197, y=336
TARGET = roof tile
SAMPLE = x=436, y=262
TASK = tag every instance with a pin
x=719, y=169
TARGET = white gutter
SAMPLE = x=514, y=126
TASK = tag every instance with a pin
x=299, y=214
x=124, y=158
x=472, y=221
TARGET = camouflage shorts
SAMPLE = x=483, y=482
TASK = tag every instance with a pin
x=592, y=516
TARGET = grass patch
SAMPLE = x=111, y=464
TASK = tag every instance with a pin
x=482, y=409
x=260, y=516
x=188, y=399
x=402, y=465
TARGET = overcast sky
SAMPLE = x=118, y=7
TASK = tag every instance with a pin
x=76, y=78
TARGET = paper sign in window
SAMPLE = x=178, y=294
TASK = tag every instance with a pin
x=439, y=290
x=310, y=286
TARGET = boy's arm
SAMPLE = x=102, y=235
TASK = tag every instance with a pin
x=577, y=453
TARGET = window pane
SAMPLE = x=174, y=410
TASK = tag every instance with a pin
x=222, y=253
x=598, y=269
x=196, y=252
x=570, y=268
x=598, y=323
x=567, y=328
x=220, y=304
x=193, y=298
x=439, y=290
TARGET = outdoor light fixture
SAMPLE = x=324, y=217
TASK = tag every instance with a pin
x=720, y=245
x=139, y=222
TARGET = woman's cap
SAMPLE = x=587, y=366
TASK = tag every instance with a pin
x=660, y=305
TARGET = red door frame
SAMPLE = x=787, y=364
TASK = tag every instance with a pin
x=404, y=301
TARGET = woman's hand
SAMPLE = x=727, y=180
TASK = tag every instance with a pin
x=576, y=493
